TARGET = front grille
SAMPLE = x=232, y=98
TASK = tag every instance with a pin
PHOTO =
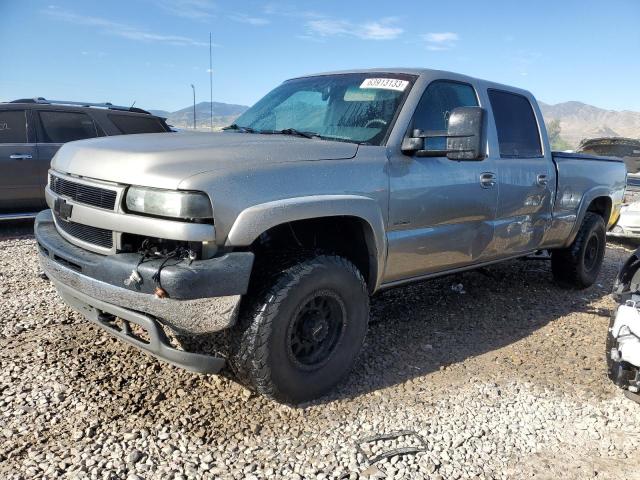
x=94, y=235
x=81, y=193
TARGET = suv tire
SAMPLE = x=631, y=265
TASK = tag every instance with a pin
x=578, y=265
x=300, y=333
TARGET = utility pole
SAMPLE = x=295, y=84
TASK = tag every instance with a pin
x=194, y=106
x=210, y=84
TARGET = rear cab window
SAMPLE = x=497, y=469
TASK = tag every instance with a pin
x=131, y=124
x=518, y=131
x=13, y=126
x=62, y=127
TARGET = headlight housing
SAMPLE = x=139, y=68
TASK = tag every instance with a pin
x=169, y=203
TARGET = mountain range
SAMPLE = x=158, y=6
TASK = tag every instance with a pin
x=223, y=114
x=577, y=120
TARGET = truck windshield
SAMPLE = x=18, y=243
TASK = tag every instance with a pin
x=358, y=108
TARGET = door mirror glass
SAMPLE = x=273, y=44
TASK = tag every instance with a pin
x=463, y=137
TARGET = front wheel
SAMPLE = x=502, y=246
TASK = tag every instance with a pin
x=301, y=333
x=579, y=265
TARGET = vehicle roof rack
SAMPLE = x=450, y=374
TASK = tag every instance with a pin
x=108, y=105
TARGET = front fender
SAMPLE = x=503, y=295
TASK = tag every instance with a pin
x=255, y=220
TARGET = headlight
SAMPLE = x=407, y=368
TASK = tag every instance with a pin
x=169, y=203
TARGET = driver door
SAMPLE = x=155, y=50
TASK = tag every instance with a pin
x=441, y=211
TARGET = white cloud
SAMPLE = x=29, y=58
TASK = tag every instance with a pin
x=440, y=40
x=283, y=10
x=328, y=28
x=524, y=60
x=93, y=54
x=255, y=21
x=191, y=9
x=383, y=29
x=124, y=30
x=380, y=31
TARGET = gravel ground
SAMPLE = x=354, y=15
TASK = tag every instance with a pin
x=505, y=380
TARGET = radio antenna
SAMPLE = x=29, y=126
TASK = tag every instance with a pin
x=210, y=84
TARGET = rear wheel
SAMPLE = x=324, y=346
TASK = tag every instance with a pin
x=300, y=333
x=579, y=265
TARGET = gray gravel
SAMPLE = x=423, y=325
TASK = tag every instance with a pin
x=506, y=380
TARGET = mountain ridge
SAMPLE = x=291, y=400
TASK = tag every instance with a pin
x=578, y=120
x=223, y=114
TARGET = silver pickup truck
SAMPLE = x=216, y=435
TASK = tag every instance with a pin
x=331, y=188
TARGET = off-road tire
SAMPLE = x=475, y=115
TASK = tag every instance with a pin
x=260, y=355
x=576, y=266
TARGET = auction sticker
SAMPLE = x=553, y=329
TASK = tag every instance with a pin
x=385, y=84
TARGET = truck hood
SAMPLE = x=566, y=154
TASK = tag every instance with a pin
x=163, y=160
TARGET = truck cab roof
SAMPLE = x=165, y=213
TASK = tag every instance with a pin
x=429, y=74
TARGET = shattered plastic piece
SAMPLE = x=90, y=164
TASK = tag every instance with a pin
x=415, y=445
x=458, y=288
x=134, y=279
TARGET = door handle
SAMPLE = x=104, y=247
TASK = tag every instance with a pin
x=542, y=180
x=487, y=179
x=20, y=156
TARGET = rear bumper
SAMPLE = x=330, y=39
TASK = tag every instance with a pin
x=623, y=234
x=204, y=296
x=8, y=217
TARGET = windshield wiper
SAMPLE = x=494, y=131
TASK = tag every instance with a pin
x=297, y=133
x=235, y=126
x=285, y=131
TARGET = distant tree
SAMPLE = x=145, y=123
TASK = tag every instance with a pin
x=553, y=131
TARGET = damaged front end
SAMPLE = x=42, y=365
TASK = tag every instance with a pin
x=623, y=337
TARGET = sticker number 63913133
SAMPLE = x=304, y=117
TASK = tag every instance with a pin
x=385, y=84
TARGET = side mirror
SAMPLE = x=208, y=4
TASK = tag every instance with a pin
x=464, y=137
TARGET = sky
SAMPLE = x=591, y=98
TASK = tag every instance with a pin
x=151, y=51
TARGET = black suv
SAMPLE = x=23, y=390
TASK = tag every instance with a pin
x=32, y=131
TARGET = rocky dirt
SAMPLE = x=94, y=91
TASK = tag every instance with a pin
x=505, y=380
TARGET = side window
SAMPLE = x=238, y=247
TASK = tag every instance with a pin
x=436, y=104
x=61, y=127
x=518, y=133
x=129, y=124
x=13, y=126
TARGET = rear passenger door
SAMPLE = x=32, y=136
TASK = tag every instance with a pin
x=19, y=180
x=526, y=177
x=55, y=128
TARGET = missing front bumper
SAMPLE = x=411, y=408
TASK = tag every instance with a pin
x=155, y=342
x=204, y=295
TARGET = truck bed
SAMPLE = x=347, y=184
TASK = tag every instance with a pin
x=582, y=177
x=585, y=156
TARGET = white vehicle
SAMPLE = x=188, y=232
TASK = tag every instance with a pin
x=623, y=338
x=628, y=224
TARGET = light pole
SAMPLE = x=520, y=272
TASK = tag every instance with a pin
x=194, y=106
